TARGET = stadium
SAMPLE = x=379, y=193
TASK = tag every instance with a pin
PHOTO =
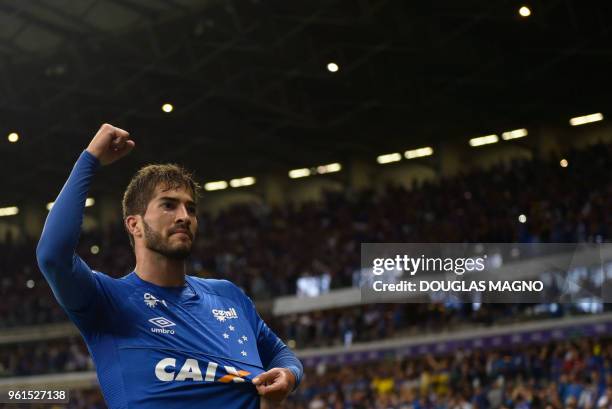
x=328, y=138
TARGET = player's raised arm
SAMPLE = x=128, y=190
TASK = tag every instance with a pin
x=69, y=277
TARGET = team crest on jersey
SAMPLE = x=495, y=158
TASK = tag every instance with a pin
x=152, y=302
x=224, y=315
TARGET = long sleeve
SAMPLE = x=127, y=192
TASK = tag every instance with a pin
x=285, y=358
x=69, y=276
x=273, y=352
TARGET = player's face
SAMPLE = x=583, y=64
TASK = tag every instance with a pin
x=170, y=223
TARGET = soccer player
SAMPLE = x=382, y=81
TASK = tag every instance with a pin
x=159, y=338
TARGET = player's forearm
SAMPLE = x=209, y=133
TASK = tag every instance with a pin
x=62, y=229
x=60, y=235
x=56, y=249
x=285, y=358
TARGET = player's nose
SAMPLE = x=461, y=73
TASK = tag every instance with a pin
x=182, y=215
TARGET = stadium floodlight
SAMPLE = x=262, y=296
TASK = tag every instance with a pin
x=240, y=182
x=330, y=168
x=484, y=140
x=90, y=201
x=522, y=218
x=418, y=153
x=9, y=211
x=167, y=108
x=517, y=133
x=586, y=119
x=332, y=67
x=525, y=11
x=299, y=173
x=563, y=163
x=216, y=185
x=389, y=158
x=13, y=137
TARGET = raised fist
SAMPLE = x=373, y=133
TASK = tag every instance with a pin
x=110, y=144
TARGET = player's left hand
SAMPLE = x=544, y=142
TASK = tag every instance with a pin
x=275, y=385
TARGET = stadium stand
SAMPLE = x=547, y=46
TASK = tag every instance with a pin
x=259, y=88
x=266, y=251
x=246, y=241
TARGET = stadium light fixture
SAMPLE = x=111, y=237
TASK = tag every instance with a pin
x=299, y=173
x=13, y=137
x=418, y=153
x=217, y=185
x=563, y=163
x=95, y=249
x=484, y=140
x=389, y=158
x=167, y=108
x=525, y=11
x=90, y=201
x=332, y=167
x=515, y=134
x=240, y=182
x=586, y=119
x=522, y=218
x=318, y=170
x=9, y=211
x=332, y=67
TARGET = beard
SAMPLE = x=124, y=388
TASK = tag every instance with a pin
x=155, y=242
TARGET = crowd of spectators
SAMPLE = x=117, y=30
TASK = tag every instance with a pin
x=265, y=250
x=43, y=357
x=558, y=375
x=573, y=374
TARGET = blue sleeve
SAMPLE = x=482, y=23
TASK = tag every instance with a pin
x=69, y=277
x=272, y=351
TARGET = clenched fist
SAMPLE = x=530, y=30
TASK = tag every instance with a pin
x=110, y=144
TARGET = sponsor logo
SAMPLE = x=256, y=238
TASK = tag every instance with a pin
x=223, y=315
x=152, y=302
x=165, y=371
x=162, y=324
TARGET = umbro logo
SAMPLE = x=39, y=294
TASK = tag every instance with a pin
x=162, y=324
x=223, y=315
x=151, y=301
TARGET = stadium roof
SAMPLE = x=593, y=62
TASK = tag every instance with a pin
x=250, y=84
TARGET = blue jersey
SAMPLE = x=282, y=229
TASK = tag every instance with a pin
x=195, y=346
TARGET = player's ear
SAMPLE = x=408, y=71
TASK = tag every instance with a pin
x=133, y=225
